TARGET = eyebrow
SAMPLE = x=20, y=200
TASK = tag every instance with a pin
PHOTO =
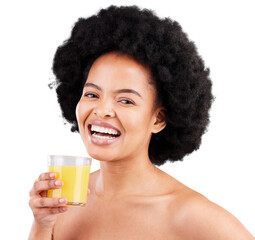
x=125, y=90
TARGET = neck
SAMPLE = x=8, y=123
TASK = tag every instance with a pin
x=125, y=177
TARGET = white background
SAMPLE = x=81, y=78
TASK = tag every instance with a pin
x=32, y=127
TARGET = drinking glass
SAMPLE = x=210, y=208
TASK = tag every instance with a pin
x=74, y=172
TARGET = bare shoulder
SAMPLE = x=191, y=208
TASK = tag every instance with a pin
x=196, y=217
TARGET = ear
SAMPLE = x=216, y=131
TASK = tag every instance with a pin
x=159, y=120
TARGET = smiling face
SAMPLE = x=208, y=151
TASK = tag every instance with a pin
x=115, y=114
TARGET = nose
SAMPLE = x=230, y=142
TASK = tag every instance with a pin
x=104, y=109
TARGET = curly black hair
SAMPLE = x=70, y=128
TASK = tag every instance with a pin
x=181, y=80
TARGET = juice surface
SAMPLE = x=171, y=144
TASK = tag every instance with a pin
x=75, y=178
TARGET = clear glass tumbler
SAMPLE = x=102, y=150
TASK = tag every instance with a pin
x=74, y=172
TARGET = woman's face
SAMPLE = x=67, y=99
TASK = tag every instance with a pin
x=115, y=113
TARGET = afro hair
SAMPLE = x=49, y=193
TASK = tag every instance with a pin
x=181, y=80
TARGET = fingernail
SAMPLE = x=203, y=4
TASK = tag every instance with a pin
x=62, y=200
x=58, y=183
x=52, y=175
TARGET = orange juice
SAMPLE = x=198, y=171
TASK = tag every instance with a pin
x=75, y=188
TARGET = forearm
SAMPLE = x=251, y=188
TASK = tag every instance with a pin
x=40, y=233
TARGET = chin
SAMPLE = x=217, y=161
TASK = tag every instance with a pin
x=101, y=155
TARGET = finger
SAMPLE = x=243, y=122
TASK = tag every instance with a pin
x=48, y=202
x=40, y=186
x=47, y=176
x=88, y=191
x=54, y=210
x=40, y=212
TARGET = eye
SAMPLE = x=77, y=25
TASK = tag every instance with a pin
x=90, y=95
x=125, y=101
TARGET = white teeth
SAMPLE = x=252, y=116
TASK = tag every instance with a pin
x=103, y=130
x=102, y=137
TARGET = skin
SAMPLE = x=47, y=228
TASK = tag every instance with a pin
x=129, y=197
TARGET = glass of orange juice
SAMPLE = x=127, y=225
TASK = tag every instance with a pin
x=74, y=172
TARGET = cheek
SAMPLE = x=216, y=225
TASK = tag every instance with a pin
x=136, y=122
x=81, y=113
x=78, y=111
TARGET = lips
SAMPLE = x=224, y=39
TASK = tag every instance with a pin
x=103, y=124
x=97, y=138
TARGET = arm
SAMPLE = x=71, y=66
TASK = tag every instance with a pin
x=45, y=209
x=40, y=233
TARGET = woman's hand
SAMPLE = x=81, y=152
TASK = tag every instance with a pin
x=45, y=209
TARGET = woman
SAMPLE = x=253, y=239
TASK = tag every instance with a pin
x=138, y=93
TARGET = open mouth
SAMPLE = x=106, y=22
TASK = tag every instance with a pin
x=102, y=132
